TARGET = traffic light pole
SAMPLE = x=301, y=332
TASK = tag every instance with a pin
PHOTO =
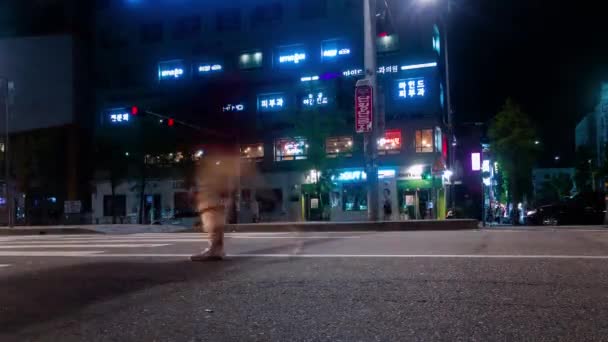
x=371, y=158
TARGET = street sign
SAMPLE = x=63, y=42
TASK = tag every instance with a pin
x=72, y=207
x=364, y=104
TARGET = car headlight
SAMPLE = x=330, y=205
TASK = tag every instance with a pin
x=531, y=212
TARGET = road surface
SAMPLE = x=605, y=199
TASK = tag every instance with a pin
x=490, y=285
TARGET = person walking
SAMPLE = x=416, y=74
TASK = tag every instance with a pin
x=213, y=181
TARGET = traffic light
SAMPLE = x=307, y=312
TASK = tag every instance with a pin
x=134, y=110
x=170, y=122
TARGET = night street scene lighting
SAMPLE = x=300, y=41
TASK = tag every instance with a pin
x=303, y=170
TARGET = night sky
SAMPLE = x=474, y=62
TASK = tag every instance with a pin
x=549, y=56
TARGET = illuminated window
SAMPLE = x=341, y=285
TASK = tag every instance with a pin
x=424, y=141
x=388, y=43
x=250, y=60
x=339, y=146
x=253, y=151
x=390, y=143
x=290, y=149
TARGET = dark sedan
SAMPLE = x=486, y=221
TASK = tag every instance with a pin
x=584, y=209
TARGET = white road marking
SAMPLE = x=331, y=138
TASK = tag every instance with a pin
x=48, y=253
x=83, y=246
x=4, y=265
x=373, y=256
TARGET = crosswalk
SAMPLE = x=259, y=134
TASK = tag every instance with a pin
x=143, y=244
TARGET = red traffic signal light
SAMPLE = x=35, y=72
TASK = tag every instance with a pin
x=134, y=110
x=170, y=122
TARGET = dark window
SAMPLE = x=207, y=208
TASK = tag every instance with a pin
x=118, y=202
x=311, y=9
x=187, y=27
x=246, y=195
x=151, y=32
x=228, y=20
x=111, y=38
x=184, y=204
x=269, y=199
x=354, y=197
x=263, y=14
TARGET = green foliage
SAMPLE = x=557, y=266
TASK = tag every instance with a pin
x=512, y=139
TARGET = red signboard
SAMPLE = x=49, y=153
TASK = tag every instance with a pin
x=364, y=105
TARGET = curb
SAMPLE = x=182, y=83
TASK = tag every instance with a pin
x=389, y=226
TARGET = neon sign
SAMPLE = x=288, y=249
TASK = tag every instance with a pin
x=309, y=78
x=293, y=58
x=334, y=49
x=312, y=100
x=119, y=116
x=352, y=72
x=411, y=88
x=419, y=66
x=386, y=69
x=171, y=70
x=360, y=175
x=233, y=108
x=177, y=73
x=208, y=68
x=271, y=103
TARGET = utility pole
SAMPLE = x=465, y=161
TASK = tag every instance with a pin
x=7, y=92
x=371, y=138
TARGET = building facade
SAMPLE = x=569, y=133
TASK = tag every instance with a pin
x=276, y=79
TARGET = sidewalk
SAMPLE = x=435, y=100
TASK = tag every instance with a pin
x=92, y=229
x=244, y=228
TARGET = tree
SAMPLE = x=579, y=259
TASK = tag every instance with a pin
x=512, y=139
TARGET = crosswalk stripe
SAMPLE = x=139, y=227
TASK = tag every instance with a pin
x=49, y=253
x=83, y=246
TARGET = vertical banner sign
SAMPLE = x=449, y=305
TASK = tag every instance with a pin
x=364, y=101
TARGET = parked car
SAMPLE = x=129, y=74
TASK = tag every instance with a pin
x=584, y=209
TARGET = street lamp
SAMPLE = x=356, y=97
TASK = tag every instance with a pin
x=536, y=142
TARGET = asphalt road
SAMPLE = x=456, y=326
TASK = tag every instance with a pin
x=505, y=285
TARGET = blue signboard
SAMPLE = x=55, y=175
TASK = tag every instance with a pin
x=208, y=68
x=171, y=70
x=411, y=88
x=335, y=49
x=291, y=56
x=271, y=102
x=118, y=116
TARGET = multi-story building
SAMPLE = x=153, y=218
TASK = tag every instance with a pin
x=278, y=77
x=592, y=131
